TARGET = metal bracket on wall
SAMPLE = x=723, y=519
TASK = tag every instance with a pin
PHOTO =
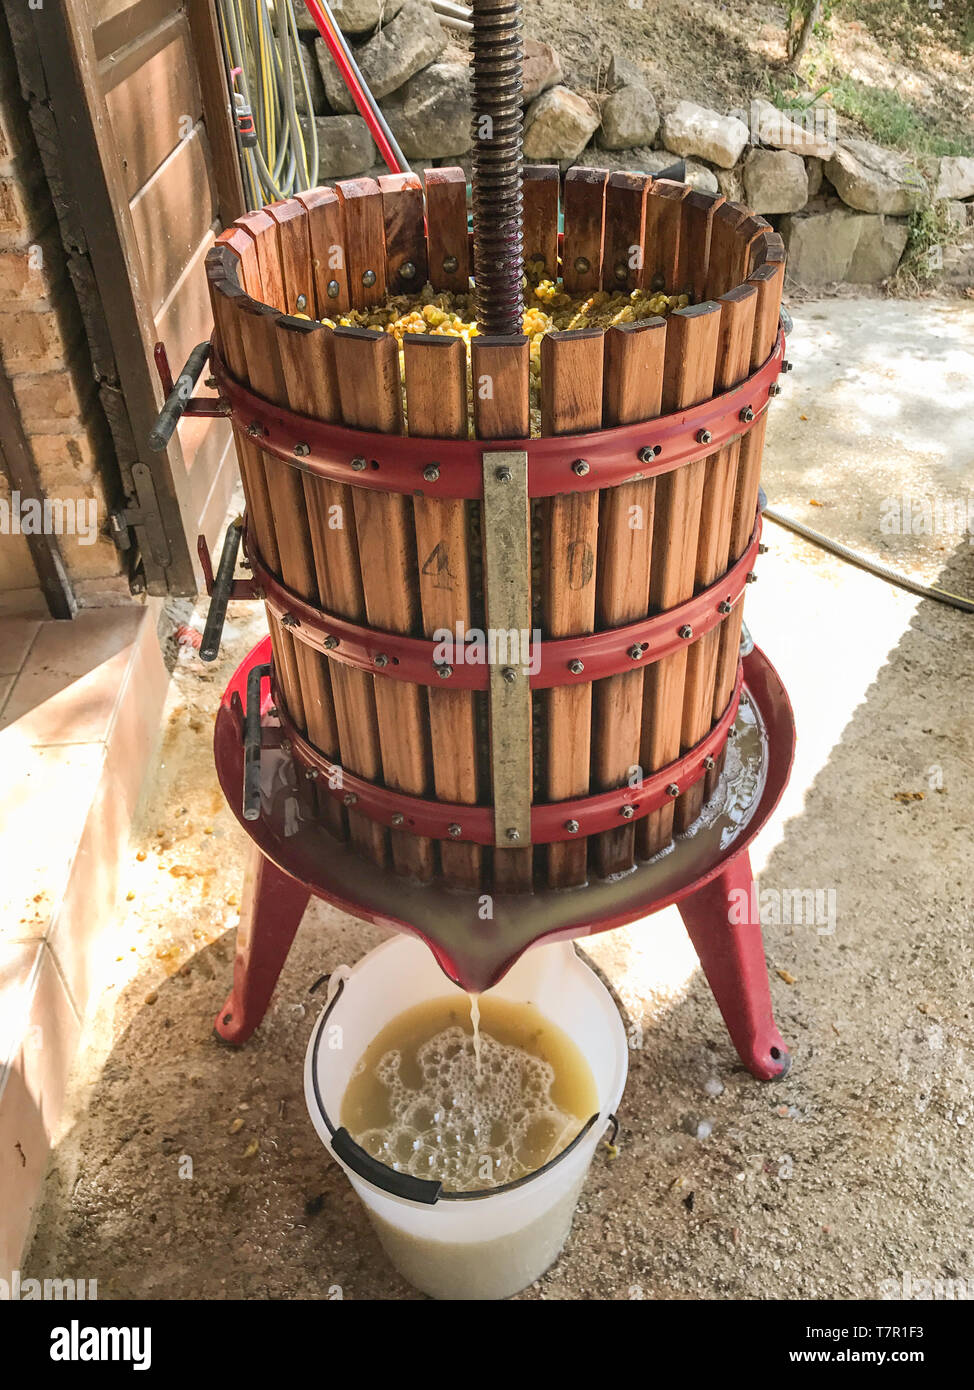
x=507, y=583
x=146, y=516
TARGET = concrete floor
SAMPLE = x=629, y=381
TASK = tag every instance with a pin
x=848, y=1178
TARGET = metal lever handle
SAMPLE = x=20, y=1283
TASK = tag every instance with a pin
x=220, y=597
x=252, y=742
x=178, y=398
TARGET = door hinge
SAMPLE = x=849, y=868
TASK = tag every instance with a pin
x=145, y=516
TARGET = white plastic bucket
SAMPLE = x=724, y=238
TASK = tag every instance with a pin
x=464, y=1245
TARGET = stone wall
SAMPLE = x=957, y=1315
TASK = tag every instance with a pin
x=842, y=205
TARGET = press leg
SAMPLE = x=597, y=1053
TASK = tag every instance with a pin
x=272, y=909
x=724, y=926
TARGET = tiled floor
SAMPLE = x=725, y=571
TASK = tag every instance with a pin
x=79, y=712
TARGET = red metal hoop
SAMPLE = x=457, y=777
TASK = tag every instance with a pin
x=454, y=468
x=441, y=820
x=607, y=653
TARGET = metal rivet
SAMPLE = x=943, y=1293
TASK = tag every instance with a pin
x=349, y=799
x=709, y=763
x=774, y=389
x=627, y=812
x=444, y=672
x=513, y=834
x=636, y=651
x=311, y=774
x=398, y=818
x=576, y=667
x=254, y=427
x=450, y=264
x=704, y=436
x=571, y=826
x=289, y=620
x=210, y=382
x=407, y=270
x=503, y=475
x=672, y=790
x=380, y=660
x=752, y=578
x=786, y=366
x=302, y=450
x=580, y=467
x=456, y=830
x=301, y=303
x=582, y=265
x=762, y=548
x=359, y=463
x=647, y=453
x=431, y=472
x=285, y=745
x=747, y=415
x=368, y=279
x=509, y=674
x=724, y=606
x=330, y=643
x=272, y=712
x=686, y=632
x=333, y=289
x=621, y=271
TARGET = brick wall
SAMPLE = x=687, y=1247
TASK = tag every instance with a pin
x=44, y=352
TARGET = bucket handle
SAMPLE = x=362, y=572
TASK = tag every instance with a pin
x=382, y=1176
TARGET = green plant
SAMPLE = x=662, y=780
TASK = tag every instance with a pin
x=891, y=120
x=931, y=231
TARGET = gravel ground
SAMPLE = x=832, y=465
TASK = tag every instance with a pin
x=190, y=1170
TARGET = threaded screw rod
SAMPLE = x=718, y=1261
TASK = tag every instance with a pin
x=498, y=243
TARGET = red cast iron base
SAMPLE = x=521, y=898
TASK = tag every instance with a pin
x=716, y=901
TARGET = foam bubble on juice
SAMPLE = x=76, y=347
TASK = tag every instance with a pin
x=464, y=1132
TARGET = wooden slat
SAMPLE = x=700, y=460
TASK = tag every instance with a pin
x=625, y=226
x=403, y=211
x=664, y=220
x=436, y=405
x=446, y=217
x=154, y=102
x=582, y=246
x=371, y=394
x=365, y=246
x=571, y=401
x=240, y=244
x=698, y=216
x=294, y=247
x=326, y=228
x=722, y=273
x=255, y=323
x=540, y=189
x=716, y=514
x=172, y=213
x=688, y=378
x=227, y=301
x=298, y=346
x=633, y=387
x=501, y=407
x=768, y=280
x=263, y=229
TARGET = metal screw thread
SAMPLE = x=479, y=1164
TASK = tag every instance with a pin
x=498, y=243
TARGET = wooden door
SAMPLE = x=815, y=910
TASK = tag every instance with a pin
x=141, y=141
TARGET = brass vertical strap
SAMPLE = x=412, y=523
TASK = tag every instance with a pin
x=507, y=585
